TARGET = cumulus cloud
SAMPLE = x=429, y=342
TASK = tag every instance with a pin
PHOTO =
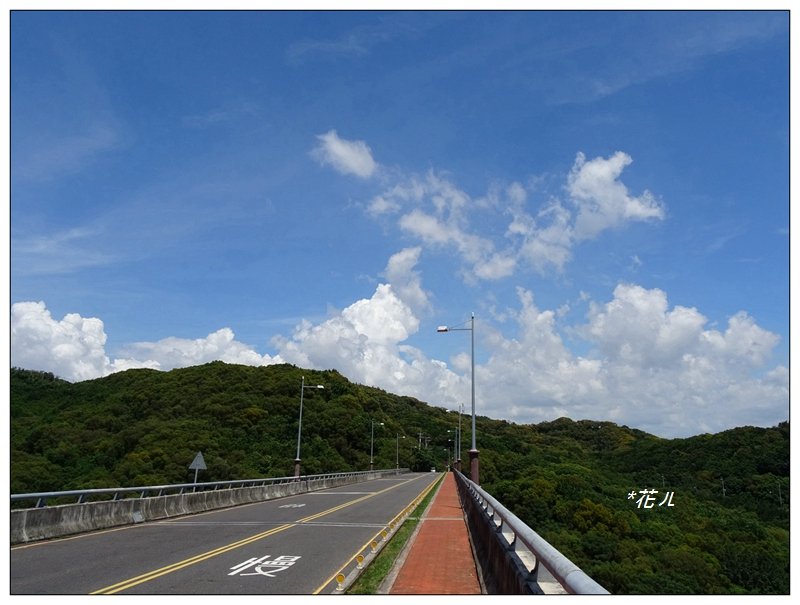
x=221, y=345
x=498, y=233
x=541, y=378
x=637, y=327
x=655, y=367
x=602, y=200
x=678, y=376
x=365, y=343
x=366, y=340
x=347, y=157
x=649, y=365
x=73, y=348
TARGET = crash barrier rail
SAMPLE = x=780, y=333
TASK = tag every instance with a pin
x=127, y=505
x=510, y=553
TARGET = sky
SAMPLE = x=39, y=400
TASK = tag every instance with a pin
x=606, y=191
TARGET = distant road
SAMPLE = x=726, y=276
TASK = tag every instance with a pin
x=290, y=545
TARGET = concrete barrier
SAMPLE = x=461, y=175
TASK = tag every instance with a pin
x=31, y=524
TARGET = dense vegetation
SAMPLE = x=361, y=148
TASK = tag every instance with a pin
x=727, y=531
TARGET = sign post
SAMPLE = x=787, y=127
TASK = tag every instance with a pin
x=198, y=464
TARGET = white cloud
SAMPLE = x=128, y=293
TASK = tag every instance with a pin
x=172, y=352
x=443, y=223
x=654, y=367
x=392, y=200
x=537, y=370
x=73, y=348
x=440, y=215
x=429, y=229
x=638, y=328
x=743, y=342
x=365, y=343
x=548, y=247
x=347, y=157
x=498, y=266
x=673, y=376
x=405, y=280
x=603, y=201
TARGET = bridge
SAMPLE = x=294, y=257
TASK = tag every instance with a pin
x=289, y=535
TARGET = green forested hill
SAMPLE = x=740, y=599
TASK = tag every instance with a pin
x=727, y=530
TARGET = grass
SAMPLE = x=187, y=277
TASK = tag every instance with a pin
x=372, y=577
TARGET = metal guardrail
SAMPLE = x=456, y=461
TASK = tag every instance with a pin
x=497, y=534
x=83, y=495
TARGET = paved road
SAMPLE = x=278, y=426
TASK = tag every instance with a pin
x=292, y=545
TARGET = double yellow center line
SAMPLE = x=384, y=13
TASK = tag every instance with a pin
x=157, y=573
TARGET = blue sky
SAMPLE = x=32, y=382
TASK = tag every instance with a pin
x=608, y=192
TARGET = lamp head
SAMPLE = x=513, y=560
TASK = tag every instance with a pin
x=442, y=329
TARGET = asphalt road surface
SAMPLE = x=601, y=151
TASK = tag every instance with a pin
x=292, y=545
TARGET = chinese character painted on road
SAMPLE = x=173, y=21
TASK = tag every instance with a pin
x=265, y=566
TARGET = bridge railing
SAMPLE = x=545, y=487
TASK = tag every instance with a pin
x=94, y=509
x=511, y=553
x=116, y=493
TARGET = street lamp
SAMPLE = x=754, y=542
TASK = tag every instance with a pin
x=371, y=442
x=397, y=452
x=473, y=453
x=303, y=387
x=457, y=456
x=449, y=449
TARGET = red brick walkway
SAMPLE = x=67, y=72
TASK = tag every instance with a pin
x=440, y=560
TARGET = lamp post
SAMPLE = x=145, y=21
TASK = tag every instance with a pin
x=474, y=467
x=397, y=453
x=303, y=387
x=449, y=449
x=371, y=442
x=457, y=456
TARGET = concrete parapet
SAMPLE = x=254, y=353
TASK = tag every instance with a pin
x=31, y=524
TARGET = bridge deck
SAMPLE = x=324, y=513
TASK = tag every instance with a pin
x=440, y=559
